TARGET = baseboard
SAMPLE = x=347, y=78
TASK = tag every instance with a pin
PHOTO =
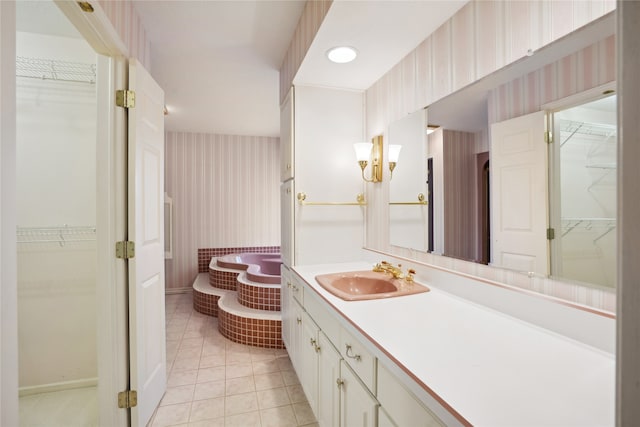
x=49, y=388
x=174, y=291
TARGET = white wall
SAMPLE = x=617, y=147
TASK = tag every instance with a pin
x=327, y=124
x=56, y=182
x=8, y=291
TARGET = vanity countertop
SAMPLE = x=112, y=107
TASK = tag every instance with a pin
x=492, y=369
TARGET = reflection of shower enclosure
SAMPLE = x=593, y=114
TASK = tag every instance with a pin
x=585, y=153
x=56, y=235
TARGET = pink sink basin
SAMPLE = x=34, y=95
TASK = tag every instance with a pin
x=366, y=285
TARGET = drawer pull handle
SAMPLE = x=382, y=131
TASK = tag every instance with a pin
x=340, y=382
x=299, y=320
x=317, y=348
x=312, y=342
x=288, y=284
x=352, y=356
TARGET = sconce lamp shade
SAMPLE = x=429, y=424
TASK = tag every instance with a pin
x=363, y=150
x=394, y=152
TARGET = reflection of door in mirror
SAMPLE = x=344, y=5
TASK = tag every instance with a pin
x=519, y=200
x=408, y=211
x=584, y=157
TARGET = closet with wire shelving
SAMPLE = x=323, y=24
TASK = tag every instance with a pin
x=584, y=158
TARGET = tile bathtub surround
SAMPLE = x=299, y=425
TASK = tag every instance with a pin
x=224, y=279
x=215, y=382
x=205, y=303
x=255, y=332
x=260, y=298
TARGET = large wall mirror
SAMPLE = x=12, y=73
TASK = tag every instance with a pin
x=498, y=193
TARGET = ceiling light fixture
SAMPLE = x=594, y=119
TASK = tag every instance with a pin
x=342, y=54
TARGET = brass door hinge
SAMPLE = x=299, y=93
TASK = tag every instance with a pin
x=127, y=399
x=548, y=137
x=551, y=233
x=125, y=249
x=125, y=98
x=85, y=6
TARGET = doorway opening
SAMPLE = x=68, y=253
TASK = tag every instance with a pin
x=56, y=130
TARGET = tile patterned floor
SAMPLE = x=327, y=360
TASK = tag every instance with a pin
x=215, y=382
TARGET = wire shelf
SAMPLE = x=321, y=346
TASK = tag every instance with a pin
x=53, y=69
x=60, y=235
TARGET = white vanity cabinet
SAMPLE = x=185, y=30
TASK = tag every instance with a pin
x=309, y=349
x=343, y=381
x=401, y=407
x=328, y=413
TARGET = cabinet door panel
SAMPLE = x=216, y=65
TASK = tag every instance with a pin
x=328, y=414
x=309, y=361
x=358, y=408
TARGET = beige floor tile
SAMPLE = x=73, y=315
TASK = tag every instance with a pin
x=282, y=416
x=249, y=419
x=303, y=412
x=296, y=394
x=242, y=370
x=185, y=364
x=239, y=385
x=229, y=384
x=217, y=422
x=172, y=415
x=180, y=394
x=238, y=357
x=191, y=342
x=284, y=363
x=290, y=377
x=241, y=403
x=273, y=397
x=207, y=409
x=265, y=366
x=209, y=390
x=267, y=381
x=211, y=374
x=211, y=361
x=189, y=352
x=182, y=378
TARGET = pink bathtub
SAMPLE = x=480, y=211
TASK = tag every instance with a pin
x=260, y=267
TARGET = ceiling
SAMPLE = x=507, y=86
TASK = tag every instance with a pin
x=218, y=61
x=383, y=32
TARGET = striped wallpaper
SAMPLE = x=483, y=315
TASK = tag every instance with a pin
x=312, y=16
x=126, y=22
x=591, y=67
x=483, y=37
x=460, y=219
x=225, y=192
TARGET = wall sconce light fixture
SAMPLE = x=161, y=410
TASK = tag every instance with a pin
x=373, y=150
x=394, y=153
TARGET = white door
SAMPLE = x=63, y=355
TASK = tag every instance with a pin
x=146, y=229
x=519, y=196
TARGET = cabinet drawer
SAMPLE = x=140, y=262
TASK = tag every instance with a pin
x=400, y=404
x=297, y=289
x=320, y=313
x=359, y=359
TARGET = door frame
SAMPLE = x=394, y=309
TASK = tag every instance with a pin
x=555, y=248
x=111, y=208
